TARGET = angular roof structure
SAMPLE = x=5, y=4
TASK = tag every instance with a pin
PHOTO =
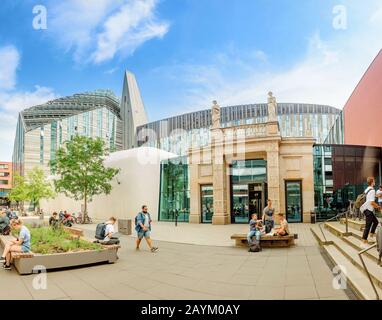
x=133, y=113
x=61, y=108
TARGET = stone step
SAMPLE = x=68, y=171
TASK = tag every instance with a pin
x=356, y=244
x=336, y=229
x=356, y=279
x=319, y=237
x=352, y=254
x=358, y=225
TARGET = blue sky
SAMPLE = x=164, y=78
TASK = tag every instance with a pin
x=184, y=53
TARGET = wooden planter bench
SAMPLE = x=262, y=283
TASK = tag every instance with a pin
x=28, y=263
x=266, y=241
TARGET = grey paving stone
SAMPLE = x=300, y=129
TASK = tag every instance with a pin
x=300, y=292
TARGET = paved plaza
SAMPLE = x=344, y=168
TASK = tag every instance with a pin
x=189, y=271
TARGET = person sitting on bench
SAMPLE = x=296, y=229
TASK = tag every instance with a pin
x=253, y=230
x=21, y=244
x=111, y=237
x=283, y=230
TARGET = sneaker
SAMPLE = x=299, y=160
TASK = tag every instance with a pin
x=154, y=249
x=364, y=245
x=5, y=267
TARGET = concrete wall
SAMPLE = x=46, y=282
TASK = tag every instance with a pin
x=136, y=184
x=363, y=110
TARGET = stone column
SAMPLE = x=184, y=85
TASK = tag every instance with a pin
x=219, y=178
x=273, y=173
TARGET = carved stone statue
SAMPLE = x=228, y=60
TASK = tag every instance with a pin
x=272, y=107
x=215, y=114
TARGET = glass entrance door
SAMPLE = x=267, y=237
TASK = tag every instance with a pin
x=240, y=204
x=255, y=192
x=207, y=201
x=293, y=201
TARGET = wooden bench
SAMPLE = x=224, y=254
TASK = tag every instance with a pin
x=266, y=241
x=75, y=231
x=15, y=255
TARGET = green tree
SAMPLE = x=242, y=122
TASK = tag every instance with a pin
x=37, y=187
x=19, y=192
x=80, y=170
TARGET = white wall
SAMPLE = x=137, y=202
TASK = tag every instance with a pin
x=139, y=181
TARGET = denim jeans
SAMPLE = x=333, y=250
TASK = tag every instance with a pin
x=251, y=234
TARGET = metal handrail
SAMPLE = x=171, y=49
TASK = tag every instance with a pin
x=367, y=270
x=333, y=218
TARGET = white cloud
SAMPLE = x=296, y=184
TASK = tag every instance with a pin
x=9, y=61
x=16, y=101
x=329, y=71
x=97, y=31
x=13, y=100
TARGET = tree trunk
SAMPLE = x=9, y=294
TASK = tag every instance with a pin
x=85, y=215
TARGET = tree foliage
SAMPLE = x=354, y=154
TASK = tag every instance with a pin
x=19, y=192
x=34, y=187
x=79, y=167
x=38, y=187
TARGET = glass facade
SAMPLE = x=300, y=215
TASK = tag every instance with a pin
x=179, y=133
x=340, y=173
x=174, y=197
x=59, y=120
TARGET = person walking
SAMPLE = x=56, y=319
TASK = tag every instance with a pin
x=269, y=216
x=143, y=228
x=368, y=209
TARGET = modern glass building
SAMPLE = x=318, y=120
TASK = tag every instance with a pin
x=177, y=134
x=339, y=176
x=340, y=173
x=42, y=129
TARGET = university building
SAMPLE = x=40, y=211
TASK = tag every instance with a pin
x=220, y=164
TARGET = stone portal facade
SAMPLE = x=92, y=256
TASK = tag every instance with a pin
x=287, y=159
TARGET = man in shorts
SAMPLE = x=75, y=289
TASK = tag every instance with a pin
x=143, y=228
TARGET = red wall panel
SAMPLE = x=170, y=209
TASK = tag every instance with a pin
x=363, y=110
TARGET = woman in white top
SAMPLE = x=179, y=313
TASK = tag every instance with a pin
x=368, y=209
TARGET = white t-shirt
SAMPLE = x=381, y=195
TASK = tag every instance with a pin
x=109, y=228
x=370, y=197
x=379, y=196
x=147, y=222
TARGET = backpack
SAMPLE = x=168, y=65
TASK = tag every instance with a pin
x=100, y=231
x=6, y=231
x=255, y=248
x=361, y=199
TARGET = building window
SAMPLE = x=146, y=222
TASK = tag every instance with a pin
x=4, y=166
x=4, y=174
x=174, y=202
x=4, y=182
x=42, y=145
x=293, y=201
x=207, y=202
